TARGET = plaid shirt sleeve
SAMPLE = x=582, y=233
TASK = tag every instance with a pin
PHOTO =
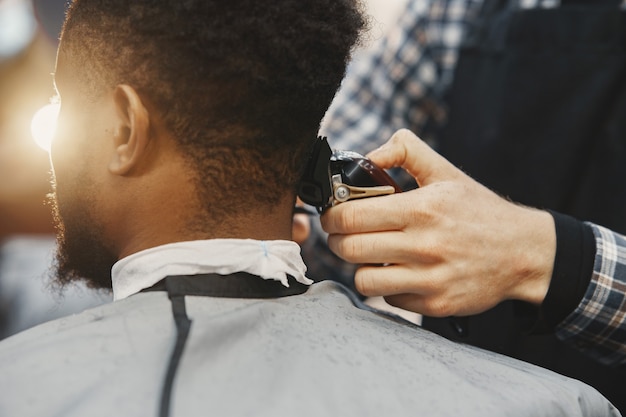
x=400, y=81
x=598, y=325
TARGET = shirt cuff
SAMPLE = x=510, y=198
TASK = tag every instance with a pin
x=573, y=268
x=597, y=327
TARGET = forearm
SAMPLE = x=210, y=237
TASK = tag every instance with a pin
x=597, y=326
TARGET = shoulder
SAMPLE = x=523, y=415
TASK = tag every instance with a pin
x=319, y=345
x=55, y=366
x=311, y=354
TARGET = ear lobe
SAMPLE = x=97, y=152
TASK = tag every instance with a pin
x=132, y=135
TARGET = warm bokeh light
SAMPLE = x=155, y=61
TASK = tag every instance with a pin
x=17, y=27
x=44, y=125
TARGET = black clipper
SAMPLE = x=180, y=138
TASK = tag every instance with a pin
x=332, y=177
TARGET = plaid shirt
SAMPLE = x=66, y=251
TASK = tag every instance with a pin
x=598, y=325
x=400, y=83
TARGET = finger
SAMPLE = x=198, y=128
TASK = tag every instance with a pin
x=393, y=212
x=416, y=303
x=389, y=247
x=406, y=150
x=410, y=302
x=301, y=228
x=372, y=280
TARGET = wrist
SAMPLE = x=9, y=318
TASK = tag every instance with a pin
x=535, y=254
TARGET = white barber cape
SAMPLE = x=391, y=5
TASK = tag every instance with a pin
x=313, y=354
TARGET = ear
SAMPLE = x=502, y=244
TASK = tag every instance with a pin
x=132, y=134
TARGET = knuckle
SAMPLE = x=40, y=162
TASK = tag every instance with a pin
x=430, y=285
x=428, y=250
x=349, y=248
x=365, y=282
x=437, y=307
x=419, y=210
x=341, y=219
x=351, y=218
x=403, y=135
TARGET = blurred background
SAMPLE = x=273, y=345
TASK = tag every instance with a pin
x=29, y=31
x=28, y=40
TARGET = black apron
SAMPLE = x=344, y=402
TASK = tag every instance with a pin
x=538, y=114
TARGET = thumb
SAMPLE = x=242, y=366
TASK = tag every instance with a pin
x=406, y=150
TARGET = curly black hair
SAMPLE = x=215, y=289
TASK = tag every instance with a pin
x=242, y=84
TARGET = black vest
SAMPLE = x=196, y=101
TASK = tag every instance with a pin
x=538, y=114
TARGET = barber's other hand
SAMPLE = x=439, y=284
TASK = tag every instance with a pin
x=301, y=225
x=450, y=247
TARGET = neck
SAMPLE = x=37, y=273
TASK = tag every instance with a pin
x=177, y=224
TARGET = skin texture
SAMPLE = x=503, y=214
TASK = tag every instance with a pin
x=450, y=247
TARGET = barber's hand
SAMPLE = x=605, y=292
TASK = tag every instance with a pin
x=301, y=225
x=450, y=247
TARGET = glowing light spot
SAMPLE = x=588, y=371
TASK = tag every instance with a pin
x=17, y=27
x=44, y=124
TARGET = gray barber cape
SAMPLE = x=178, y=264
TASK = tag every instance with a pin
x=313, y=354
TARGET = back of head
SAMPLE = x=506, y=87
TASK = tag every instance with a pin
x=241, y=84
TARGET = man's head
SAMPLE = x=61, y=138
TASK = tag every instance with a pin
x=181, y=119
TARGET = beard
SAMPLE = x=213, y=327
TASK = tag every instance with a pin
x=81, y=253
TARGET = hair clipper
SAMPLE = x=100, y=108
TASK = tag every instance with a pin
x=333, y=177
